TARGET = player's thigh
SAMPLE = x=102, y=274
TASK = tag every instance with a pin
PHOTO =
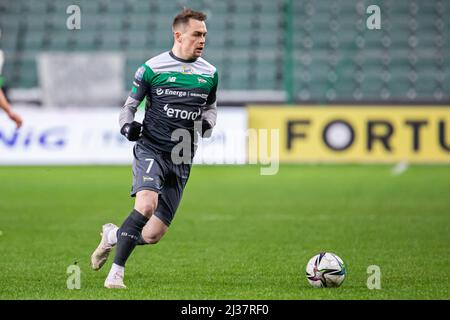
x=148, y=169
x=154, y=230
x=171, y=195
x=146, y=202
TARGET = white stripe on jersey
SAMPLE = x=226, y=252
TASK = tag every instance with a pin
x=163, y=63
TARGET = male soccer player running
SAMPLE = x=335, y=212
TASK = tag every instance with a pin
x=180, y=87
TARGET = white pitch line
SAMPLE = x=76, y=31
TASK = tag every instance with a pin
x=400, y=168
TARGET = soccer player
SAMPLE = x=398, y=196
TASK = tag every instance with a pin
x=3, y=101
x=180, y=88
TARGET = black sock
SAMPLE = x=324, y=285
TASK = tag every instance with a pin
x=128, y=236
x=140, y=242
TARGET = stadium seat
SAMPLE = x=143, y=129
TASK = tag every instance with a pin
x=111, y=41
x=138, y=7
x=27, y=73
x=34, y=41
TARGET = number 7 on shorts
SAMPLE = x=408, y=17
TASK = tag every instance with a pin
x=149, y=165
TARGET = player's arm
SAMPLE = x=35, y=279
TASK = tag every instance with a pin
x=209, y=113
x=128, y=127
x=4, y=104
x=7, y=108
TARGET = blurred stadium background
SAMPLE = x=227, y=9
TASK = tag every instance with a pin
x=300, y=51
x=301, y=62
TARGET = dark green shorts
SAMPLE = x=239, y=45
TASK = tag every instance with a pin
x=154, y=170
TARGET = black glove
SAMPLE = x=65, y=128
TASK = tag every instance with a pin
x=205, y=127
x=131, y=131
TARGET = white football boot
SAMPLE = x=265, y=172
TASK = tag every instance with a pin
x=101, y=254
x=115, y=280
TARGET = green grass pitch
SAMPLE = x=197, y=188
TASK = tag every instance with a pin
x=237, y=234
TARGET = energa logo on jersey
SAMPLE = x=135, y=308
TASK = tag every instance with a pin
x=181, y=114
x=171, y=92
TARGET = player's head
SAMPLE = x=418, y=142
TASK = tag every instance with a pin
x=189, y=32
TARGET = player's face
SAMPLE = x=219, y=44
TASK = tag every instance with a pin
x=193, y=39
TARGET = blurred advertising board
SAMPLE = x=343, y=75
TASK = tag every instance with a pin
x=91, y=136
x=419, y=134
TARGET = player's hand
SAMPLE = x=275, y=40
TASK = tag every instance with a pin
x=206, y=129
x=16, y=118
x=132, y=131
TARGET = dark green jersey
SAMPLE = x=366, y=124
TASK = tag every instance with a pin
x=177, y=93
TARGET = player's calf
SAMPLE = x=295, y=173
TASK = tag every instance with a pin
x=154, y=230
x=128, y=236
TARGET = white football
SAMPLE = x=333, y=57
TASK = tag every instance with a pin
x=325, y=270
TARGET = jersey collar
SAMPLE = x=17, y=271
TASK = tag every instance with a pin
x=181, y=60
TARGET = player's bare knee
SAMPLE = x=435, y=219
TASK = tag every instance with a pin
x=153, y=238
x=154, y=241
x=146, y=202
x=147, y=208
